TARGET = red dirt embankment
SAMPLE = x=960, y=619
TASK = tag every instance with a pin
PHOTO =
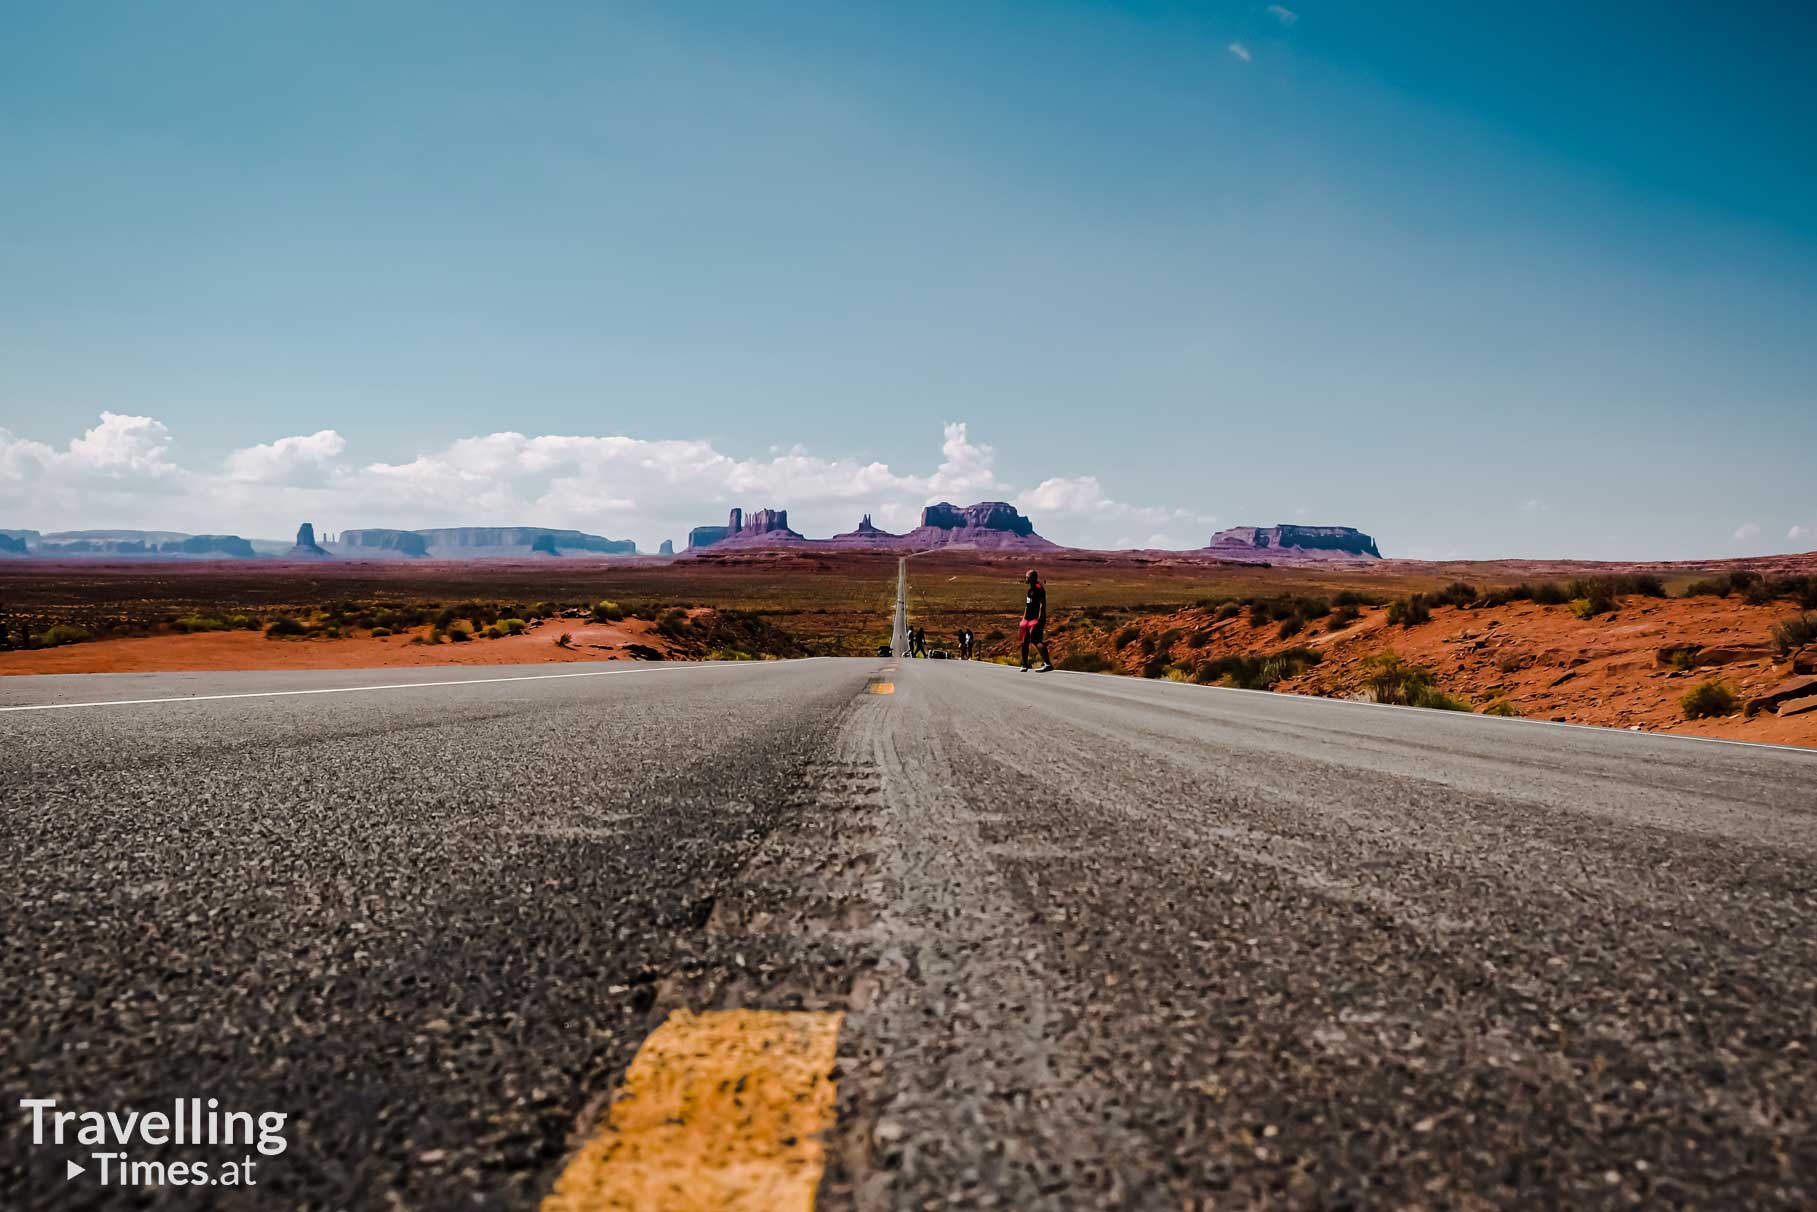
x=223, y=650
x=1544, y=661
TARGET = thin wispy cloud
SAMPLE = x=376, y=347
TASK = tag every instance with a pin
x=1241, y=51
x=1798, y=532
x=1746, y=531
x=1283, y=14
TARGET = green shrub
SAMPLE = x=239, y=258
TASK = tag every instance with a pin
x=1291, y=627
x=196, y=622
x=1229, y=610
x=458, y=634
x=1550, y=593
x=607, y=612
x=1794, y=633
x=1256, y=672
x=1502, y=707
x=1593, y=596
x=1707, y=589
x=1086, y=662
x=1258, y=614
x=512, y=626
x=1343, y=617
x=1409, y=611
x=1126, y=637
x=1707, y=699
x=1389, y=679
x=1198, y=639
x=380, y=632
x=284, y=627
x=59, y=634
x=1458, y=593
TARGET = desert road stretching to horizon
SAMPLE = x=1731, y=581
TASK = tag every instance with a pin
x=1043, y=941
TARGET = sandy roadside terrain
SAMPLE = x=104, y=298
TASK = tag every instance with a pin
x=223, y=650
x=1546, y=662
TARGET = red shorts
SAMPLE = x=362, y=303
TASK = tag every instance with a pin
x=1033, y=631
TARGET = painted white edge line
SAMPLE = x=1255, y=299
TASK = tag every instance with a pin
x=1604, y=730
x=273, y=694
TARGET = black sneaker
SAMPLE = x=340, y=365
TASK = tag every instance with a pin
x=1045, y=669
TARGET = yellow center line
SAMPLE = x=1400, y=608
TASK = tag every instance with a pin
x=721, y=1111
x=881, y=687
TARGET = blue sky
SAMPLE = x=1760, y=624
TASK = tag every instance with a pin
x=1510, y=280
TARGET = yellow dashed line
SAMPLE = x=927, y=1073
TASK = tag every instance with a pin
x=720, y=1111
x=882, y=687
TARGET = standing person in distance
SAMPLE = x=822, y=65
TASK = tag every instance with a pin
x=1034, y=622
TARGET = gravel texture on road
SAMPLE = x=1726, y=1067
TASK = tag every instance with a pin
x=1099, y=943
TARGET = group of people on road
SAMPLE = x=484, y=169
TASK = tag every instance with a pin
x=1033, y=629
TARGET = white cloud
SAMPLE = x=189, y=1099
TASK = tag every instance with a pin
x=1533, y=505
x=1798, y=532
x=297, y=460
x=1240, y=51
x=1080, y=505
x=1282, y=13
x=1746, y=531
x=119, y=473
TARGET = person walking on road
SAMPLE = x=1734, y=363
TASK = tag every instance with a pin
x=965, y=644
x=918, y=642
x=1034, y=622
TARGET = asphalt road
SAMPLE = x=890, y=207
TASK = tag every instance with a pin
x=1100, y=942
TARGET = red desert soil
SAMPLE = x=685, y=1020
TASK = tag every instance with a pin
x=224, y=650
x=1548, y=663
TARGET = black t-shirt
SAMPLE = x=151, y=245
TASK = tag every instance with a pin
x=1037, y=602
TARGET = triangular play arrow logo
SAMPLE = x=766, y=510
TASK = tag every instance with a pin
x=73, y=1170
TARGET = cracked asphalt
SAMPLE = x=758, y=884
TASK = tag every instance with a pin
x=1100, y=943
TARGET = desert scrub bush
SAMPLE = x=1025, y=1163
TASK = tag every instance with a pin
x=1343, y=617
x=1229, y=610
x=1682, y=658
x=1458, y=593
x=1409, y=611
x=729, y=654
x=564, y=640
x=1794, y=633
x=1176, y=674
x=512, y=626
x=606, y=612
x=1550, y=593
x=1170, y=637
x=1255, y=672
x=284, y=627
x=1503, y=708
x=1258, y=614
x=1198, y=639
x=197, y=622
x=379, y=633
x=1389, y=679
x=1291, y=627
x=1086, y=662
x=1706, y=589
x=1593, y=596
x=1157, y=665
x=1706, y=699
x=59, y=634
x=458, y=633
x=1124, y=638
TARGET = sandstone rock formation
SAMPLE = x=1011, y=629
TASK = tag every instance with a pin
x=402, y=542
x=11, y=546
x=667, y=547
x=479, y=542
x=1292, y=542
x=230, y=545
x=306, y=547
x=994, y=525
x=763, y=526
x=866, y=533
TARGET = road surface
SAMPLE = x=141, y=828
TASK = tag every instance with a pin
x=1098, y=942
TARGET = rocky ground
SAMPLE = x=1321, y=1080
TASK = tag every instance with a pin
x=1614, y=670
